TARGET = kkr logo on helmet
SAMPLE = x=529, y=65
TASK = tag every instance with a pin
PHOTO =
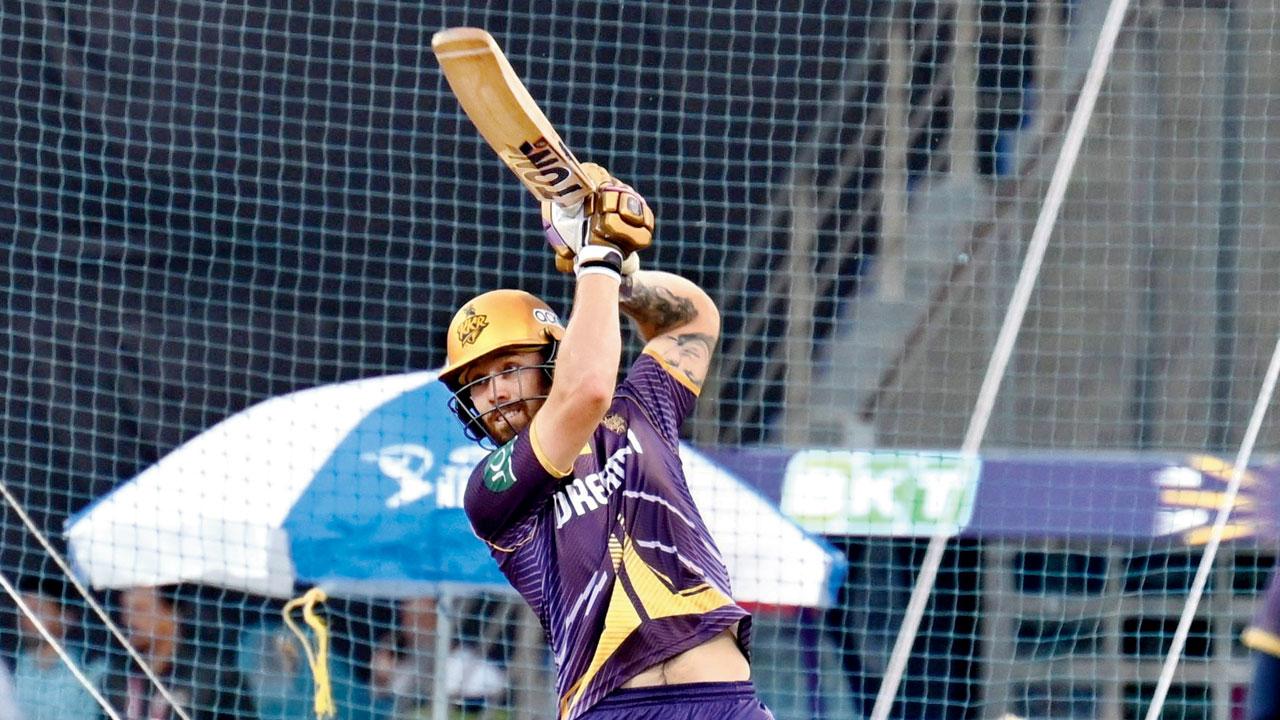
x=470, y=328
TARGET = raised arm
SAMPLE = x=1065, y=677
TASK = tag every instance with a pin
x=586, y=371
x=677, y=320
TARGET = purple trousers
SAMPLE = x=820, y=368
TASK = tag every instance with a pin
x=693, y=701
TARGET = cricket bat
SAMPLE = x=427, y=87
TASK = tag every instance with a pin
x=506, y=115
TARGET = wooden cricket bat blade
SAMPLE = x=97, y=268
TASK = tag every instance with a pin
x=504, y=112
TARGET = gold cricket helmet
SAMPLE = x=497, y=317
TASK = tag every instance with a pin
x=494, y=321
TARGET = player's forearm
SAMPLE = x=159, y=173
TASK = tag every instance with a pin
x=586, y=367
x=660, y=303
x=592, y=346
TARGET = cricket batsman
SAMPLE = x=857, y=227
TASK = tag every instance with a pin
x=583, y=500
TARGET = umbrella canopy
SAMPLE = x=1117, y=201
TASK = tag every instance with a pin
x=357, y=487
x=771, y=559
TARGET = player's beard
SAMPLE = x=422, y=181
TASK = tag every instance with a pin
x=507, y=422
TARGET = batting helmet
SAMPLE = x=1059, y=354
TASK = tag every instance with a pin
x=498, y=320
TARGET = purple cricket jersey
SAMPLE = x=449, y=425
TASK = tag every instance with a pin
x=614, y=558
x=1263, y=634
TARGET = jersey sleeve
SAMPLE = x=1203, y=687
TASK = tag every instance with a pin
x=665, y=396
x=512, y=481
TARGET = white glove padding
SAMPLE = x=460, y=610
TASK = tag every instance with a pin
x=567, y=230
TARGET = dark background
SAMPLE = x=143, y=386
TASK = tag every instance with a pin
x=205, y=206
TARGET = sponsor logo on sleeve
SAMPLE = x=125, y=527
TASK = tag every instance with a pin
x=499, y=476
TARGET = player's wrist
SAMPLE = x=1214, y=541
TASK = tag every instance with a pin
x=599, y=260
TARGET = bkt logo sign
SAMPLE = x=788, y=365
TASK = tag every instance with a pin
x=413, y=468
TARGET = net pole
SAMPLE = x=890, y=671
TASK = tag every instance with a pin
x=1265, y=394
x=444, y=638
x=58, y=647
x=93, y=604
x=1072, y=142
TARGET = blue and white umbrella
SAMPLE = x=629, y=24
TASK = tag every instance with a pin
x=357, y=487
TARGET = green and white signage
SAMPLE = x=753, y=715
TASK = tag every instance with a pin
x=884, y=493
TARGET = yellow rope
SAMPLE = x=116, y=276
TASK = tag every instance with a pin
x=318, y=659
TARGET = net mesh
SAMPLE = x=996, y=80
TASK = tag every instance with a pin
x=210, y=206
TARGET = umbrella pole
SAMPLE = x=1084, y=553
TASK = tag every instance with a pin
x=444, y=638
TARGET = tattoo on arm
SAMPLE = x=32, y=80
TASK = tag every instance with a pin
x=656, y=309
x=671, y=323
x=690, y=354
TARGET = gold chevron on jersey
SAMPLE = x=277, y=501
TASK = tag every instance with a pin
x=659, y=598
x=620, y=620
x=659, y=595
